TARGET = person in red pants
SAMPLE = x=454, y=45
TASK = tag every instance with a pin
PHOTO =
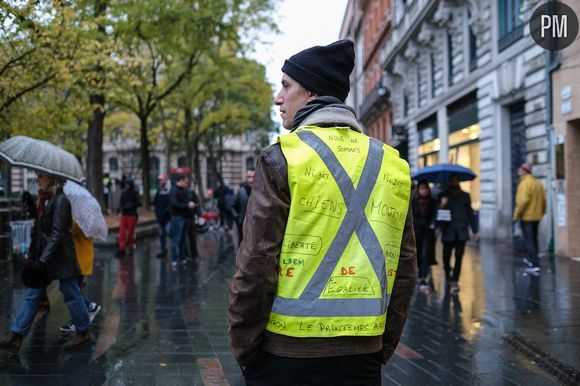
x=128, y=210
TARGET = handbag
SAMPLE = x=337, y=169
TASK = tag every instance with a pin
x=34, y=278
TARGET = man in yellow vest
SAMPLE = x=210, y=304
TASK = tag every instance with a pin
x=327, y=265
x=529, y=210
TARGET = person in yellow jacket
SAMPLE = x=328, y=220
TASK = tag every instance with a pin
x=529, y=210
x=85, y=256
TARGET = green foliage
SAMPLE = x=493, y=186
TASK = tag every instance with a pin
x=178, y=54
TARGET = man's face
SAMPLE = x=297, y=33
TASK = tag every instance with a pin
x=291, y=97
x=184, y=182
x=250, y=177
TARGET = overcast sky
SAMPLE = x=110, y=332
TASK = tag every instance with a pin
x=302, y=24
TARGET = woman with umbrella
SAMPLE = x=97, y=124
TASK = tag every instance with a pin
x=52, y=256
x=455, y=233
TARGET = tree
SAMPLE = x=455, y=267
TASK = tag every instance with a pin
x=162, y=41
x=225, y=96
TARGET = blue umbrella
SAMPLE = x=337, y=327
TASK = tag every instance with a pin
x=442, y=172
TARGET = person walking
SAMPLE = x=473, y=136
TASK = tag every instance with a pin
x=220, y=195
x=191, y=249
x=529, y=210
x=52, y=255
x=129, y=216
x=181, y=206
x=85, y=251
x=455, y=233
x=424, y=214
x=162, y=211
x=327, y=265
x=240, y=204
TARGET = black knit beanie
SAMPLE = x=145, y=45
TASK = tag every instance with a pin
x=324, y=70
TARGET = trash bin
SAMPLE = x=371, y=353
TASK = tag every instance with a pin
x=9, y=210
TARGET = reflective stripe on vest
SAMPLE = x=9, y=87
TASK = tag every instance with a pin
x=358, y=314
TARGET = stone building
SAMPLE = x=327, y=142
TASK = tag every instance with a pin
x=566, y=112
x=122, y=157
x=467, y=84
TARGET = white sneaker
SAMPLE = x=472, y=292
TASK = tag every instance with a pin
x=533, y=269
x=69, y=327
x=94, y=309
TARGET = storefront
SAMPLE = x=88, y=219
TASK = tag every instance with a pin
x=428, y=152
x=463, y=140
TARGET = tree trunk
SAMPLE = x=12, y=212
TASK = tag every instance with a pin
x=145, y=161
x=95, y=133
x=197, y=167
x=95, y=150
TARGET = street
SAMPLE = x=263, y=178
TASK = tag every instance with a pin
x=164, y=327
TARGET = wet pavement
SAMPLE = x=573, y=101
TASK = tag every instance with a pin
x=165, y=327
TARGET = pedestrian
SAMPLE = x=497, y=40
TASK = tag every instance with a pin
x=53, y=256
x=162, y=211
x=240, y=204
x=107, y=184
x=191, y=247
x=455, y=233
x=424, y=214
x=529, y=210
x=327, y=267
x=85, y=251
x=129, y=216
x=220, y=194
x=115, y=195
x=181, y=206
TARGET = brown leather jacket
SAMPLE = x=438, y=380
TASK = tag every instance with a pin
x=254, y=284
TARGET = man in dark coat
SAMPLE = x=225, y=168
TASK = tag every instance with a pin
x=162, y=211
x=241, y=201
x=455, y=233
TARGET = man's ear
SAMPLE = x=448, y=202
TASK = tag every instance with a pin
x=312, y=95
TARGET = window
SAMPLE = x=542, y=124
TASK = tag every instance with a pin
x=405, y=105
x=419, y=95
x=510, y=22
x=113, y=164
x=432, y=63
x=472, y=50
x=449, y=59
x=250, y=163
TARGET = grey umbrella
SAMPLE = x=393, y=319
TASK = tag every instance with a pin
x=42, y=156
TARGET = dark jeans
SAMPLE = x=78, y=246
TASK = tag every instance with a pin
x=192, y=235
x=351, y=370
x=448, y=247
x=179, y=227
x=73, y=298
x=163, y=234
x=530, y=233
x=425, y=240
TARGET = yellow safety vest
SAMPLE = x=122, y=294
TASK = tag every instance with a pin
x=349, y=201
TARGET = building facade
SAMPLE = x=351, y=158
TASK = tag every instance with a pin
x=122, y=157
x=467, y=84
x=566, y=145
x=367, y=24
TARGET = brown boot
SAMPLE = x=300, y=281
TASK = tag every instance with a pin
x=80, y=339
x=11, y=343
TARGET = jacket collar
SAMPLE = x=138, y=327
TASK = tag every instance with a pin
x=334, y=115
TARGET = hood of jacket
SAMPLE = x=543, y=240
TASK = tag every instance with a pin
x=326, y=112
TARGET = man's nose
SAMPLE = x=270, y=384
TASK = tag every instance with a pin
x=278, y=100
